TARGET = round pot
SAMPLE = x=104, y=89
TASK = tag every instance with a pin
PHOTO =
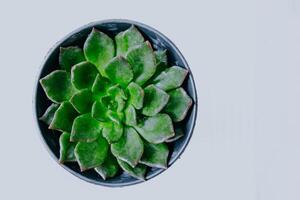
x=77, y=38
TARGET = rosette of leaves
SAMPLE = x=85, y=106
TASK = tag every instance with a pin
x=115, y=103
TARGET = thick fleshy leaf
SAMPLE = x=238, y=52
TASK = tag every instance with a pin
x=64, y=117
x=66, y=148
x=178, y=104
x=128, y=39
x=116, y=91
x=57, y=86
x=100, y=87
x=112, y=131
x=138, y=171
x=47, y=117
x=119, y=71
x=156, y=129
x=109, y=168
x=136, y=95
x=155, y=155
x=142, y=60
x=99, y=111
x=69, y=56
x=83, y=101
x=85, y=129
x=119, y=97
x=161, y=57
x=130, y=116
x=116, y=117
x=171, y=78
x=121, y=104
x=161, y=64
x=83, y=75
x=110, y=103
x=129, y=148
x=99, y=49
x=178, y=134
x=91, y=154
x=155, y=100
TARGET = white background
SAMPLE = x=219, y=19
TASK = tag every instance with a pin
x=244, y=55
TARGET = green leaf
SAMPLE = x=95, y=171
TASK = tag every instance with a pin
x=178, y=134
x=128, y=39
x=99, y=49
x=138, y=171
x=119, y=71
x=85, y=129
x=136, y=95
x=116, y=91
x=116, y=117
x=47, y=117
x=161, y=57
x=64, y=117
x=57, y=86
x=119, y=97
x=109, y=168
x=83, y=101
x=142, y=60
x=129, y=148
x=178, y=104
x=156, y=129
x=155, y=100
x=91, y=154
x=161, y=63
x=99, y=111
x=100, y=87
x=112, y=131
x=66, y=148
x=171, y=78
x=83, y=75
x=130, y=116
x=155, y=155
x=110, y=103
x=69, y=56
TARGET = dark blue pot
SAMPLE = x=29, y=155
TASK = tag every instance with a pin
x=77, y=38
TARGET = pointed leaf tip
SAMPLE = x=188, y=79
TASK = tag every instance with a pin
x=178, y=105
x=91, y=154
x=85, y=129
x=83, y=75
x=129, y=148
x=70, y=56
x=155, y=100
x=136, y=95
x=128, y=39
x=83, y=101
x=109, y=168
x=138, y=171
x=99, y=49
x=130, y=116
x=47, y=117
x=57, y=86
x=142, y=60
x=112, y=131
x=155, y=155
x=156, y=129
x=119, y=71
x=66, y=148
x=64, y=117
x=171, y=78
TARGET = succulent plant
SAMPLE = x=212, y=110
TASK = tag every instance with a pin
x=116, y=103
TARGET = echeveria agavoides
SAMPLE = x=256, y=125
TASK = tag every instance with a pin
x=115, y=103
